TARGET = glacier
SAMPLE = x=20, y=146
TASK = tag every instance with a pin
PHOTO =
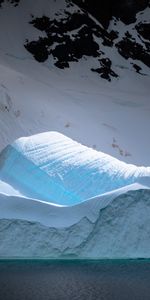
x=60, y=199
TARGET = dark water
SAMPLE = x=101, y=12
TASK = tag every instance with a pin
x=74, y=280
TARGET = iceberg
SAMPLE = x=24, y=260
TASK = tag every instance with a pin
x=60, y=199
x=54, y=168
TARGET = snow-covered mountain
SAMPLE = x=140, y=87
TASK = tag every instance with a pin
x=80, y=68
x=61, y=70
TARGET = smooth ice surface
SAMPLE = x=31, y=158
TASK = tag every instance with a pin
x=54, y=168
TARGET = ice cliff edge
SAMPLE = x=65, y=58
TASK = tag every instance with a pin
x=95, y=206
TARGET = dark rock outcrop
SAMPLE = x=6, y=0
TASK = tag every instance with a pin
x=105, y=69
x=104, y=10
x=75, y=34
x=144, y=30
x=128, y=48
x=64, y=44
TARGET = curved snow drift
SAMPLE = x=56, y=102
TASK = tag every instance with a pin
x=54, y=168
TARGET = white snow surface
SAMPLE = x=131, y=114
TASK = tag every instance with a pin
x=96, y=216
x=54, y=168
x=112, y=117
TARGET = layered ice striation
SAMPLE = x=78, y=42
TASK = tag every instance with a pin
x=120, y=230
x=54, y=168
x=95, y=206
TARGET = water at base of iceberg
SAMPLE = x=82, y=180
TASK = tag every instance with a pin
x=76, y=280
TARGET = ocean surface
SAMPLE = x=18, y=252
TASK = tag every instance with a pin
x=74, y=280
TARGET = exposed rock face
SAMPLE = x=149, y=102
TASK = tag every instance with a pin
x=75, y=35
x=103, y=10
x=71, y=46
x=144, y=30
x=126, y=10
x=128, y=48
x=105, y=69
x=71, y=33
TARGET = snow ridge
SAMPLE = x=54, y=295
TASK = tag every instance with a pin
x=95, y=205
x=54, y=168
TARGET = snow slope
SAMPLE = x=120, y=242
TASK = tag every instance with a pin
x=107, y=212
x=112, y=117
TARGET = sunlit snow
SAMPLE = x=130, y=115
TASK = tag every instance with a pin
x=54, y=168
x=59, y=198
x=95, y=205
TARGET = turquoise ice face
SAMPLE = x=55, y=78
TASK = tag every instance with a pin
x=54, y=168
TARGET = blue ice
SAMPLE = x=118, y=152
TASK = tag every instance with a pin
x=54, y=168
